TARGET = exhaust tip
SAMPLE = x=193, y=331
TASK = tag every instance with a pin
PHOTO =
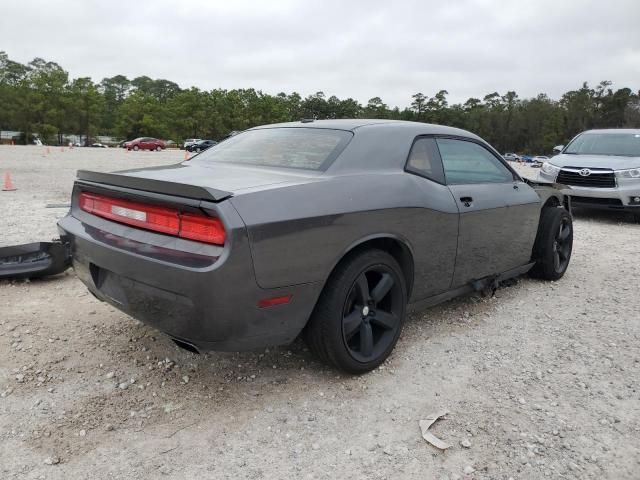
x=186, y=346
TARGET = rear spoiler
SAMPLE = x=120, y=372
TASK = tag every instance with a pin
x=154, y=186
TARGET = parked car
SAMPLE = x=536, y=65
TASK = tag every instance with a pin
x=512, y=157
x=190, y=141
x=201, y=145
x=332, y=229
x=602, y=167
x=538, y=160
x=145, y=143
x=98, y=145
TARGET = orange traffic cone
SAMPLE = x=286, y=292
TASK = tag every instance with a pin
x=62, y=149
x=8, y=184
x=186, y=155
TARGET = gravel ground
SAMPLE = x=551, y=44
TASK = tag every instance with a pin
x=541, y=380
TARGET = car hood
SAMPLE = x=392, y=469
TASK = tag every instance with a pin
x=595, y=161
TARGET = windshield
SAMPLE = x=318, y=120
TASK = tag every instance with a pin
x=308, y=148
x=619, y=144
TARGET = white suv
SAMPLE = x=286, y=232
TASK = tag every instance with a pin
x=602, y=167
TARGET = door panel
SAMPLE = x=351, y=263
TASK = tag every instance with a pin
x=498, y=212
x=497, y=228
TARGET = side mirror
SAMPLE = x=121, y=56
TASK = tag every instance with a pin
x=558, y=148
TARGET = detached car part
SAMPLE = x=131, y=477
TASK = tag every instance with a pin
x=33, y=260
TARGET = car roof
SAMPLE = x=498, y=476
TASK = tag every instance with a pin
x=377, y=144
x=359, y=123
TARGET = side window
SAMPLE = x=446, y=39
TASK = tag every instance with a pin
x=467, y=162
x=424, y=159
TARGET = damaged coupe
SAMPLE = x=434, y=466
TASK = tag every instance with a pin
x=332, y=230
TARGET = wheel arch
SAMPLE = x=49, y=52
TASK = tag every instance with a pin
x=396, y=246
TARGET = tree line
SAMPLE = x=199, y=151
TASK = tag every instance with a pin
x=41, y=97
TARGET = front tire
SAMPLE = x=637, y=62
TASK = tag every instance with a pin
x=136, y=148
x=359, y=316
x=554, y=244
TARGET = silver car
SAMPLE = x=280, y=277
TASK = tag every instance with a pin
x=602, y=167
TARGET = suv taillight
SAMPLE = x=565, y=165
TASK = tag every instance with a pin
x=191, y=226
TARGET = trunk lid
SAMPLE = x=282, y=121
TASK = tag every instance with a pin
x=198, y=181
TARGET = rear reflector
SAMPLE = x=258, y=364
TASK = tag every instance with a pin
x=270, y=302
x=159, y=219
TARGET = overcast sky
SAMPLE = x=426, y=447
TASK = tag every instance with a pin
x=348, y=48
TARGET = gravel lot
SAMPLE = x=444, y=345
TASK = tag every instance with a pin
x=542, y=380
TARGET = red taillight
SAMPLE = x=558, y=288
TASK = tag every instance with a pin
x=159, y=219
x=202, y=229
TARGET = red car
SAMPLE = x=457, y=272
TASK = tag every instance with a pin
x=145, y=143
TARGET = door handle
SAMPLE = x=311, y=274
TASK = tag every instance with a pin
x=466, y=201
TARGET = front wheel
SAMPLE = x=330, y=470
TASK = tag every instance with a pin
x=359, y=316
x=158, y=148
x=136, y=148
x=554, y=244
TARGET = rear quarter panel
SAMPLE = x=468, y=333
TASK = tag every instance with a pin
x=299, y=233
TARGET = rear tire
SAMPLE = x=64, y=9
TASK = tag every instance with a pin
x=158, y=148
x=554, y=244
x=359, y=316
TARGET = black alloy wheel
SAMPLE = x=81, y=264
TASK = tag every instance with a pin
x=553, y=245
x=371, y=315
x=562, y=245
x=359, y=316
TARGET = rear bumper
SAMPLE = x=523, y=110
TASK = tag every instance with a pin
x=210, y=302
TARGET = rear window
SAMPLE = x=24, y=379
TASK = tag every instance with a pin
x=307, y=148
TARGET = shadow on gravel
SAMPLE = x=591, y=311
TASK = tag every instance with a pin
x=611, y=217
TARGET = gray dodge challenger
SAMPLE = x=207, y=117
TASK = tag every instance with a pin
x=332, y=230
